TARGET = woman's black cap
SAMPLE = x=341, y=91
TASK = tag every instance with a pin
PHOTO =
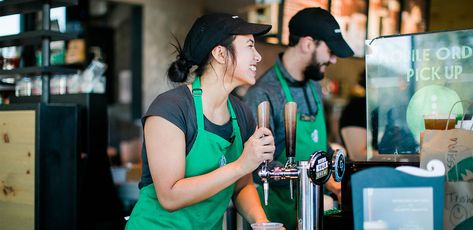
x=210, y=30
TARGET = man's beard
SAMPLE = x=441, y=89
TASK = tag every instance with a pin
x=312, y=71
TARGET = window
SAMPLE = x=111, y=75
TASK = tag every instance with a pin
x=10, y=24
x=58, y=15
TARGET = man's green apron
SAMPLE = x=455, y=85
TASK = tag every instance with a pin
x=208, y=153
x=311, y=136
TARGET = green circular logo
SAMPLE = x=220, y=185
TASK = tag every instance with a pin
x=432, y=99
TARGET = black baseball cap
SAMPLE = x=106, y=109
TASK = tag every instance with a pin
x=211, y=29
x=320, y=25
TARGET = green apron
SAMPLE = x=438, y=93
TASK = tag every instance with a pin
x=208, y=153
x=311, y=136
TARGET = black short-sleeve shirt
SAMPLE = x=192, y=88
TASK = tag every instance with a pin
x=354, y=114
x=177, y=106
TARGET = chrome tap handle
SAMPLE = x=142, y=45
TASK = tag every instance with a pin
x=291, y=189
x=290, y=164
x=263, y=173
x=263, y=121
x=266, y=191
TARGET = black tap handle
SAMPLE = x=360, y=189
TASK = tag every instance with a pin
x=320, y=167
x=338, y=164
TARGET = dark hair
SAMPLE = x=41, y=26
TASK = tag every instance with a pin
x=362, y=79
x=178, y=71
x=293, y=39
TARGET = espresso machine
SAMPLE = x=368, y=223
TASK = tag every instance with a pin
x=305, y=177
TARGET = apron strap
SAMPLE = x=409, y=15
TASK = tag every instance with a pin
x=287, y=92
x=316, y=98
x=197, y=94
x=283, y=83
x=236, y=127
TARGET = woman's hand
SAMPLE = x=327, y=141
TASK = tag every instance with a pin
x=258, y=148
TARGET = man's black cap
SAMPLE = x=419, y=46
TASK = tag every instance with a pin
x=320, y=25
x=210, y=30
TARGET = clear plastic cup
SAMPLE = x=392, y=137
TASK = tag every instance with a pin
x=266, y=226
x=466, y=124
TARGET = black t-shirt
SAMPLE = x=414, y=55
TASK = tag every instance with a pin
x=177, y=106
x=354, y=114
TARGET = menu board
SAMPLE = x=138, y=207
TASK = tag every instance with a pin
x=410, y=76
x=398, y=208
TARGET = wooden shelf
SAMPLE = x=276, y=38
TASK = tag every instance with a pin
x=34, y=37
x=33, y=71
x=8, y=7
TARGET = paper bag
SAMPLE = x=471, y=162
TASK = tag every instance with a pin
x=455, y=149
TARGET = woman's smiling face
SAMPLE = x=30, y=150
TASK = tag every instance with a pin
x=246, y=58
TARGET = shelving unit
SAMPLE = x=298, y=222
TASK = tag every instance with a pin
x=43, y=37
x=34, y=37
x=8, y=7
x=40, y=144
x=98, y=206
x=35, y=70
x=38, y=171
x=72, y=186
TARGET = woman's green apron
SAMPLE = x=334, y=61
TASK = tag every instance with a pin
x=208, y=153
x=311, y=136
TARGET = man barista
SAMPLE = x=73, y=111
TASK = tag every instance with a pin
x=315, y=41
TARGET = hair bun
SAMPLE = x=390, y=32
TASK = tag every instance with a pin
x=179, y=69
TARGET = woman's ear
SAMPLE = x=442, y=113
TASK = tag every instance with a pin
x=219, y=54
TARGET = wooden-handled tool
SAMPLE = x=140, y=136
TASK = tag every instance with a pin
x=263, y=114
x=290, y=125
x=290, y=111
x=263, y=121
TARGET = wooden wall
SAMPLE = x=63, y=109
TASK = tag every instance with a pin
x=451, y=15
x=17, y=169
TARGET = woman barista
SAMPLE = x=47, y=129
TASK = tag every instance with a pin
x=194, y=160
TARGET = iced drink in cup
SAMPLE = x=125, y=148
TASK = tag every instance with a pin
x=439, y=121
x=266, y=226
